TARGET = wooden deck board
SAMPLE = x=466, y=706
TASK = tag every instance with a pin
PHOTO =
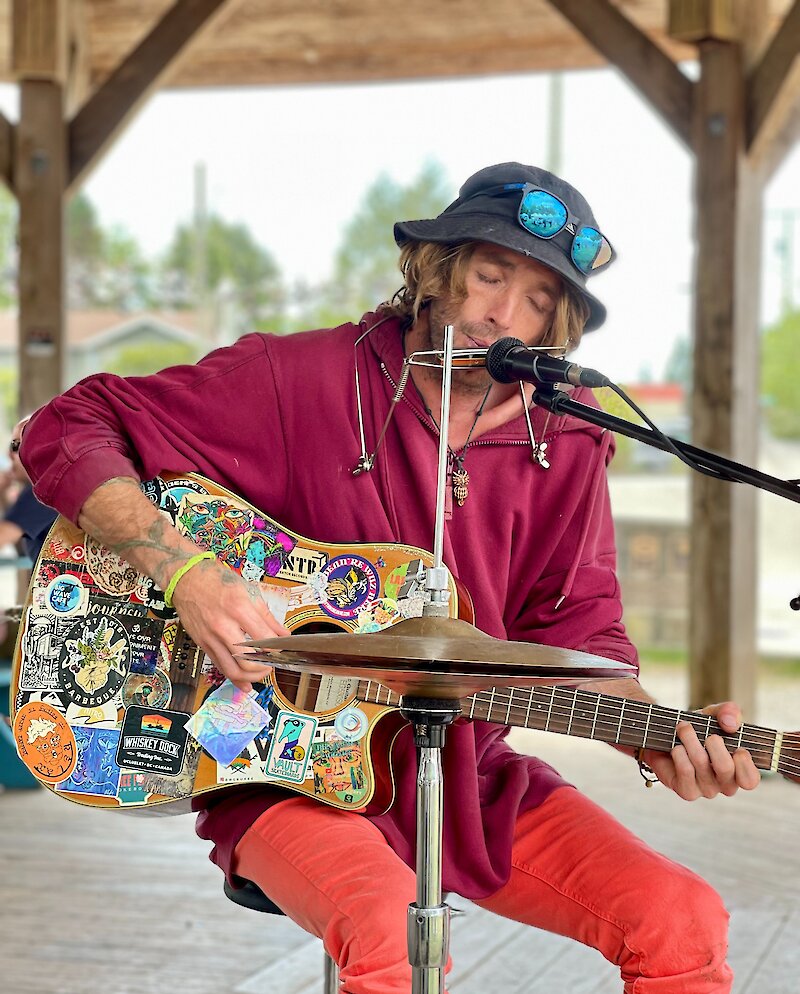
x=98, y=901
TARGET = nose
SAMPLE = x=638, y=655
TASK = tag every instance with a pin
x=501, y=309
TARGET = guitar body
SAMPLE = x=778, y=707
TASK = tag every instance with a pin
x=105, y=678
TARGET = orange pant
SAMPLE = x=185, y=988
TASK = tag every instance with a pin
x=575, y=871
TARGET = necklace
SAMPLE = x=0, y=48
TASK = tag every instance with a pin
x=459, y=477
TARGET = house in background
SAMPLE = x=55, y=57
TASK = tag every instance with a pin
x=101, y=341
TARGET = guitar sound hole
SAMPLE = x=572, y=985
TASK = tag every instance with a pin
x=302, y=688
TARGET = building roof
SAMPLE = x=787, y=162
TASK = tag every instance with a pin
x=86, y=328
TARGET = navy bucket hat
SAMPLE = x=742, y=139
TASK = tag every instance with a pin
x=486, y=217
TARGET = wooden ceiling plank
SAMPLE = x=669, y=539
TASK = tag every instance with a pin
x=775, y=73
x=112, y=106
x=645, y=64
x=7, y=136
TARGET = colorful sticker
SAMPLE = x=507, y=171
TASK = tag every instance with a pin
x=182, y=784
x=352, y=584
x=218, y=526
x=290, y=751
x=227, y=721
x=380, y=614
x=152, y=690
x=64, y=595
x=96, y=771
x=267, y=550
x=94, y=661
x=45, y=742
x=132, y=788
x=153, y=739
x=302, y=563
x=338, y=768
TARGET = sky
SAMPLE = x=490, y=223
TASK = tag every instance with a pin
x=294, y=162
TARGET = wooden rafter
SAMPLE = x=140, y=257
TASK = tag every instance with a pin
x=6, y=152
x=650, y=69
x=773, y=89
x=112, y=105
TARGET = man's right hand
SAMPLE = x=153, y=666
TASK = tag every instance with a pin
x=219, y=610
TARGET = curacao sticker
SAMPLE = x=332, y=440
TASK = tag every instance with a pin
x=45, y=742
x=351, y=724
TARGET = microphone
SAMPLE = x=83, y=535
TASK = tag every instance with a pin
x=508, y=360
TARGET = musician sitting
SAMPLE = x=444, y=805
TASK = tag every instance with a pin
x=528, y=532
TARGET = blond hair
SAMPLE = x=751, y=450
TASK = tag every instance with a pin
x=432, y=270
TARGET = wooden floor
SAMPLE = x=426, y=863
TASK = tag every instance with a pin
x=104, y=903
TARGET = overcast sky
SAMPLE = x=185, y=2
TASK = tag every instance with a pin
x=293, y=164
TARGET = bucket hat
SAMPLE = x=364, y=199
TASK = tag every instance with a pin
x=474, y=217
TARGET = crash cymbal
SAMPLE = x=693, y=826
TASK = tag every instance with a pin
x=434, y=657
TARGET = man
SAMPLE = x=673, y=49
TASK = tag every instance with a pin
x=529, y=533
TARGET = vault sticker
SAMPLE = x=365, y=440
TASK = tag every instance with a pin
x=290, y=752
x=45, y=742
x=153, y=739
x=96, y=771
x=352, y=584
x=94, y=661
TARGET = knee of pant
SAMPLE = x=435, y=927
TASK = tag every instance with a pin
x=372, y=945
x=685, y=919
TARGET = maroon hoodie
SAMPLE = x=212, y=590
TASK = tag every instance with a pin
x=275, y=420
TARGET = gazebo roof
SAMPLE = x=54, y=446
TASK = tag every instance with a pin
x=263, y=42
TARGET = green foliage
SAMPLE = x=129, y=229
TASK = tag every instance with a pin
x=780, y=374
x=9, y=379
x=365, y=267
x=141, y=360
x=679, y=364
x=8, y=247
x=223, y=260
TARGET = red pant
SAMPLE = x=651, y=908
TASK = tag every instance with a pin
x=575, y=871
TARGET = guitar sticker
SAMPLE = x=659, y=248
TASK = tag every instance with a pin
x=94, y=661
x=227, y=721
x=41, y=646
x=352, y=584
x=96, y=771
x=153, y=739
x=290, y=752
x=45, y=742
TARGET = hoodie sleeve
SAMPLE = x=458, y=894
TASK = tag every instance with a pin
x=195, y=418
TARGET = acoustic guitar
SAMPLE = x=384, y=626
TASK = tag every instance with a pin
x=114, y=706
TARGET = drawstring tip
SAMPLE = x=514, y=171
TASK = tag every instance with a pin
x=560, y=601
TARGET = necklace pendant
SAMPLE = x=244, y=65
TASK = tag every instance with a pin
x=460, y=485
x=539, y=455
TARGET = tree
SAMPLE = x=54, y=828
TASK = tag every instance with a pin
x=780, y=371
x=222, y=264
x=104, y=268
x=679, y=364
x=365, y=266
x=8, y=248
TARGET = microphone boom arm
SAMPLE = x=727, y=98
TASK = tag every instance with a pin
x=559, y=402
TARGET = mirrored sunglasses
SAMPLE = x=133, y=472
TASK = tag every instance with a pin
x=545, y=215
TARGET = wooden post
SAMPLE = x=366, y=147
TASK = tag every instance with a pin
x=726, y=388
x=40, y=34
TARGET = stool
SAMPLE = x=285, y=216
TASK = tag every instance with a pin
x=249, y=895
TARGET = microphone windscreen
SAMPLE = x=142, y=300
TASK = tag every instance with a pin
x=496, y=359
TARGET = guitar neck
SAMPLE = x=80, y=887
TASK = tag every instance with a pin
x=589, y=715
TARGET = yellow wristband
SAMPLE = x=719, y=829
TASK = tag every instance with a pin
x=181, y=571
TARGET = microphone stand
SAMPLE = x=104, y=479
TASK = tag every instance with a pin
x=559, y=402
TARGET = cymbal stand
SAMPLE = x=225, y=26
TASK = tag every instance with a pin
x=428, y=923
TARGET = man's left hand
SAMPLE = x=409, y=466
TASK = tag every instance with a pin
x=693, y=769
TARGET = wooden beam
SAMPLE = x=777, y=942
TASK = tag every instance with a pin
x=729, y=198
x=7, y=136
x=646, y=65
x=40, y=174
x=773, y=89
x=39, y=32
x=111, y=107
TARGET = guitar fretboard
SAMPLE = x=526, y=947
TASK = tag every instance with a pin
x=589, y=715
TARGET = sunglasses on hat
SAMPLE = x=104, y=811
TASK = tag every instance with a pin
x=545, y=215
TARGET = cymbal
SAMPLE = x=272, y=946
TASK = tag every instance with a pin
x=434, y=657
